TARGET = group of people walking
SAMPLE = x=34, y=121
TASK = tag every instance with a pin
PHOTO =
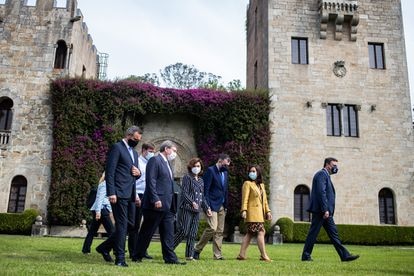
x=139, y=191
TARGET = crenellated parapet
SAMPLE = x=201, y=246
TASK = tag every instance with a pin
x=340, y=12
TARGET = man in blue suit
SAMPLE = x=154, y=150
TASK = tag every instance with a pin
x=121, y=173
x=158, y=206
x=322, y=207
x=216, y=185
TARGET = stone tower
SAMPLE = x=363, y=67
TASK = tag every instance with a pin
x=39, y=40
x=337, y=75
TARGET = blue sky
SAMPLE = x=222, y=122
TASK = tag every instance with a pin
x=144, y=36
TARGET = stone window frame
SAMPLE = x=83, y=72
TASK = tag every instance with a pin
x=301, y=197
x=17, y=195
x=6, y=120
x=297, y=48
x=61, y=54
x=386, y=206
x=376, y=60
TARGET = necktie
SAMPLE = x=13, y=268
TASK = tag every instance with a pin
x=222, y=179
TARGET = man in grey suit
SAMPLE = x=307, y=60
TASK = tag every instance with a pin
x=322, y=207
x=121, y=173
x=158, y=206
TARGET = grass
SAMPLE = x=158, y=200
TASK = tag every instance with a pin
x=23, y=255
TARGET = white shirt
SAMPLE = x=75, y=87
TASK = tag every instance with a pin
x=140, y=182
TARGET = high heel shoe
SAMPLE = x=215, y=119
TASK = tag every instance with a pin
x=267, y=260
x=240, y=258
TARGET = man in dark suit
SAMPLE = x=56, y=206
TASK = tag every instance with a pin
x=322, y=207
x=216, y=186
x=157, y=206
x=121, y=173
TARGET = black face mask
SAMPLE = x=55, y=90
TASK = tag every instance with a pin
x=223, y=168
x=334, y=170
x=132, y=143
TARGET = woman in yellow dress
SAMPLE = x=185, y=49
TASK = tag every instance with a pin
x=254, y=210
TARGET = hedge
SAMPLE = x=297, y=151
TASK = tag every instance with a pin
x=90, y=115
x=351, y=234
x=18, y=223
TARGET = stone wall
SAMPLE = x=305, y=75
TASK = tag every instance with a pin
x=28, y=37
x=382, y=155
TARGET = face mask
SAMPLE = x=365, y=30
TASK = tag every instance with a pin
x=195, y=170
x=172, y=156
x=132, y=143
x=252, y=175
x=334, y=169
x=223, y=168
x=149, y=155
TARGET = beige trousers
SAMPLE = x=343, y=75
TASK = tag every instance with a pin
x=214, y=229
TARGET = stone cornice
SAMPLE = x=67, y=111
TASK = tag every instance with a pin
x=343, y=11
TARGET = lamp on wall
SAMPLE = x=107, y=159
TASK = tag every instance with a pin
x=373, y=107
x=308, y=104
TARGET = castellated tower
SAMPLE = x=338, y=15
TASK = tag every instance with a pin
x=337, y=75
x=39, y=41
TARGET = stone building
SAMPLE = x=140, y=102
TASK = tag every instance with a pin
x=39, y=41
x=337, y=75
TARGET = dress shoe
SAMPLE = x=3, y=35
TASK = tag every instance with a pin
x=196, y=255
x=122, y=264
x=106, y=256
x=137, y=260
x=240, y=258
x=146, y=256
x=307, y=260
x=176, y=262
x=221, y=258
x=350, y=258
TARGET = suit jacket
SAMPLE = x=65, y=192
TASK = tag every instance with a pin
x=323, y=194
x=118, y=175
x=254, y=201
x=215, y=191
x=159, y=185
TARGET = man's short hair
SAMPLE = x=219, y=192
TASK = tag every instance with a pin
x=132, y=129
x=328, y=160
x=166, y=145
x=223, y=156
x=147, y=146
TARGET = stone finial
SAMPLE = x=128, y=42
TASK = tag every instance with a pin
x=39, y=220
x=83, y=223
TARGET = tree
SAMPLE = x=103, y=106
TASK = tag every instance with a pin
x=148, y=77
x=183, y=76
x=235, y=85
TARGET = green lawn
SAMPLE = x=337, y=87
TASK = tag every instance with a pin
x=22, y=255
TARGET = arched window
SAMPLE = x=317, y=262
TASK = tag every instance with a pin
x=386, y=206
x=301, y=201
x=17, y=197
x=61, y=52
x=6, y=116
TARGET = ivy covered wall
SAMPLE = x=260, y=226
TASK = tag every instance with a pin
x=90, y=115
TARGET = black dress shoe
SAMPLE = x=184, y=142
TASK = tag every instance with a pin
x=350, y=258
x=106, y=256
x=196, y=255
x=176, y=262
x=137, y=260
x=146, y=256
x=307, y=260
x=122, y=264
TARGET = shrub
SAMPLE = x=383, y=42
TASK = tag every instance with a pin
x=18, y=223
x=286, y=228
x=351, y=234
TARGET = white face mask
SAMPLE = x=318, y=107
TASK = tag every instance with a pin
x=149, y=155
x=195, y=170
x=172, y=156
